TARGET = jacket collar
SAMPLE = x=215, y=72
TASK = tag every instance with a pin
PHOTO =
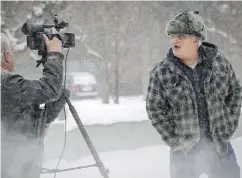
x=207, y=51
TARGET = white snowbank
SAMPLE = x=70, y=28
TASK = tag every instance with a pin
x=130, y=109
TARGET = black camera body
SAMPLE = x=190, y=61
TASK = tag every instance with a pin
x=35, y=39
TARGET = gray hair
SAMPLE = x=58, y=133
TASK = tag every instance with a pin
x=199, y=42
x=5, y=44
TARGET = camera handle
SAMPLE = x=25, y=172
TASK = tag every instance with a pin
x=104, y=172
x=42, y=60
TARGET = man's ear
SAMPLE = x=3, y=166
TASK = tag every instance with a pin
x=6, y=56
x=196, y=40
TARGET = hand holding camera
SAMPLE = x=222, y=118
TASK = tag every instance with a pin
x=54, y=45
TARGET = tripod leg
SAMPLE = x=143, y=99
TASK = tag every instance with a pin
x=104, y=172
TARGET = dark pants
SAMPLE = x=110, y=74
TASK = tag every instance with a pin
x=203, y=158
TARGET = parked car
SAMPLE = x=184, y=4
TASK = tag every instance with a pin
x=82, y=85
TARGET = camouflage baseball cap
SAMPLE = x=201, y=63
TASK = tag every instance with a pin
x=187, y=22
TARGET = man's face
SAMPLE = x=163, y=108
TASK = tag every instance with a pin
x=183, y=45
x=8, y=61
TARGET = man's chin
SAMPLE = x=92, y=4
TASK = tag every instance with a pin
x=177, y=54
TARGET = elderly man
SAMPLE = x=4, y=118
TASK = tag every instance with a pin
x=23, y=122
x=194, y=103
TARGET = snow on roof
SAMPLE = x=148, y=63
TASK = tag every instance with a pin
x=92, y=52
x=20, y=47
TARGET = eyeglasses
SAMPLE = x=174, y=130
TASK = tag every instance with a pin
x=179, y=36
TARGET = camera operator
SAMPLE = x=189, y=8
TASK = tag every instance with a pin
x=23, y=122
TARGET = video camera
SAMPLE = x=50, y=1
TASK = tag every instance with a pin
x=35, y=39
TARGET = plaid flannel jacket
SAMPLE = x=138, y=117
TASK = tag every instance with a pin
x=171, y=104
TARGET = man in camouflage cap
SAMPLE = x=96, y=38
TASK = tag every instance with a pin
x=193, y=101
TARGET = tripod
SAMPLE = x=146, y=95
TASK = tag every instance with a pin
x=104, y=172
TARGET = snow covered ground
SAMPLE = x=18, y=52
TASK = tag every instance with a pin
x=145, y=162
x=91, y=112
